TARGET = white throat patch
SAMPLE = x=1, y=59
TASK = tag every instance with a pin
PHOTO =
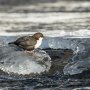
x=38, y=42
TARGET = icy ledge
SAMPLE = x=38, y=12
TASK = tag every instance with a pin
x=21, y=62
x=77, y=67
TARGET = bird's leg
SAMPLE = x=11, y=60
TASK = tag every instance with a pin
x=29, y=51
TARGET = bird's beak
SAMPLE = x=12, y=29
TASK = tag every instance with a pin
x=43, y=36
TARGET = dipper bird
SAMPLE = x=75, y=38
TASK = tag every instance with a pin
x=29, y=43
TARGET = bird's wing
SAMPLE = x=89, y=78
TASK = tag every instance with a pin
x=25, y=41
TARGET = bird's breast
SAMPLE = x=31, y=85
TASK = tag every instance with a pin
x=38, y=42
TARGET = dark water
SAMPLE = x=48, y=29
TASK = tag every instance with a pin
x=26, y=6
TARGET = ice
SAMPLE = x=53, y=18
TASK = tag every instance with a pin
x=80, y=46
x=77, y=67
x=14, y=60
x=76, y=44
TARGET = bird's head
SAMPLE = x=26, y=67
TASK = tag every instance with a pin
x=38, y=35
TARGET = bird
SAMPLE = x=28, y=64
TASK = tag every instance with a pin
x=29, y=43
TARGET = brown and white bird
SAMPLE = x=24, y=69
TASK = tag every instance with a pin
x=29, y=43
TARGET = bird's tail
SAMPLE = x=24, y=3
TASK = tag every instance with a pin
x=10, y=43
